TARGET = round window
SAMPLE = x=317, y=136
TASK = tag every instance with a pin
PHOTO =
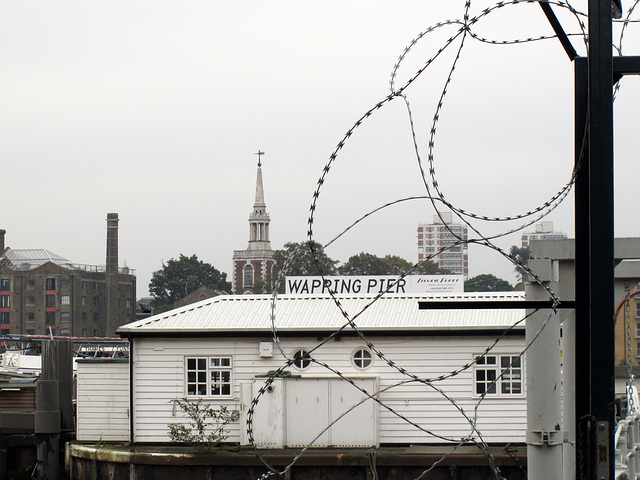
x=362, y=358
x=301, y=359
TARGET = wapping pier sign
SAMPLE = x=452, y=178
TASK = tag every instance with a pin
x=375, y=284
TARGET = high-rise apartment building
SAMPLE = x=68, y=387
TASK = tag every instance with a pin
x=42, y=293
x=443, y=233
x=544, y=231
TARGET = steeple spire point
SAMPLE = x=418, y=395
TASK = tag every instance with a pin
x=259, y=153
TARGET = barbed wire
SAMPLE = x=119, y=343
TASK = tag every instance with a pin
x=436, y=197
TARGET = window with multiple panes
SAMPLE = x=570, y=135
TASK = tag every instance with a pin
x=301, y=359
x=4, y=318
x=247, y=279
x=65, y=300
x=65, y=316
x=64, y=284
x=50, y=318
x=498, y=375
x=95, y=301
x=4, y=301
x=362, y=358
x=50, y=301
x=5, y=284
x=50, y=283
x=208, y=376
x=84, y=300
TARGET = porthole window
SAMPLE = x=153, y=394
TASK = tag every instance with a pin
x=362, y=358
x=301, y=359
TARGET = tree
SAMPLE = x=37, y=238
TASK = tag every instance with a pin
x=177, y=278
x=364, y=264
x=520, y=255
x=430, y=267
x=297, y=260
x=368, y=264
x=487, y=283
x=397, y=265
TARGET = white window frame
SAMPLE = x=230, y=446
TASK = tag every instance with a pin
x=301, y=359
x=248, y=275
x=488, y=368
x=213, y=376
x=358, y=360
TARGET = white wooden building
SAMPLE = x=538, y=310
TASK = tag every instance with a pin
x=219, y=350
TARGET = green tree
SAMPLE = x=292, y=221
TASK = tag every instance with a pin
x=397, y=265
x=177, y=278
x=487, y=283
x=364, y=264
x=520, y=255
x=297, y=260
x=430, y=267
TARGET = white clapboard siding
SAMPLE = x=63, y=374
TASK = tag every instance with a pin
x=103, y=400
x=158, y=380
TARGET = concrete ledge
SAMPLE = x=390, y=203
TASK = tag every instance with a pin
x=244, y=456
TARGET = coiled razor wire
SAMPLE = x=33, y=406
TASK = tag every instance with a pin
x=436, y=197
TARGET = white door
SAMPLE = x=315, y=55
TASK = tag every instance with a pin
x=312, y=403
x=307, y=412
x=358, y=427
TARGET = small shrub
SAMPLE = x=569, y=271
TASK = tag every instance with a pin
x=206, y=428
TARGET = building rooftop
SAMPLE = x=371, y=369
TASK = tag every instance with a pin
x=309, y=313
x=32, y=257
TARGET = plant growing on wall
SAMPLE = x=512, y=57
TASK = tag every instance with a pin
x=206, y=428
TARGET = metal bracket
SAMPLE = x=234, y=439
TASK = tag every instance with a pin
x=602, y=450
x=545, y=437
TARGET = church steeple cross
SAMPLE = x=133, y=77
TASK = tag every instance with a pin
x=259, y=153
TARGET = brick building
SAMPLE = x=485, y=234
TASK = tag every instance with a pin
x=253, y=267
x=43, y=293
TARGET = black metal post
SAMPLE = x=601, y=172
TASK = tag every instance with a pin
x=582, y=330
x=595, y=256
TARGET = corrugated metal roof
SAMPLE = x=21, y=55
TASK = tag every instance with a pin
x=230, y=313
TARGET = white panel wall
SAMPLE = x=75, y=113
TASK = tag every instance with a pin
x=158, y=366
x=102, y=400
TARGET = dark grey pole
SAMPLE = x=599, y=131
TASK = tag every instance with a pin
x=594, y=254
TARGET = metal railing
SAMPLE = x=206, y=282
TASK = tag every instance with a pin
x=627, y=440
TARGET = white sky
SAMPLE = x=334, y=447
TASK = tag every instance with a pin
x=154, y=110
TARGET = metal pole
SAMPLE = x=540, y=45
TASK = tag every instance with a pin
x=545, y=434
x=595, y=257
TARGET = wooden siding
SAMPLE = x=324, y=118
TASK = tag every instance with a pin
x=103, y=401
x=158, y=366
x=18, y=400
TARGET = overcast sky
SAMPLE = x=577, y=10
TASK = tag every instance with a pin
x=154, y=109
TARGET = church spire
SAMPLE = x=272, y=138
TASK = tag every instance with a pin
x=253, y=267
x=259, y=188
x=259, y=219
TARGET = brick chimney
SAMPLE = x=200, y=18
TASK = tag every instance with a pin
x=2, y=232
x=112, y=243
